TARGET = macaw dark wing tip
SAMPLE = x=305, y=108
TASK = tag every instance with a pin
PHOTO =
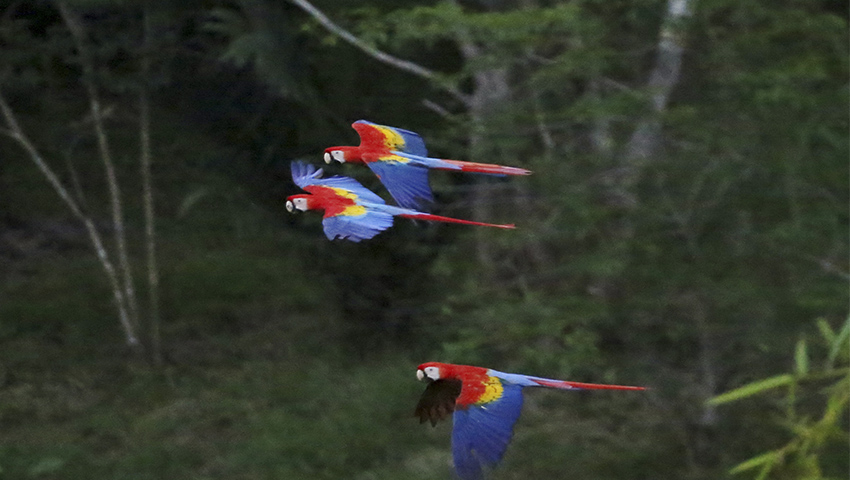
x=438, y=401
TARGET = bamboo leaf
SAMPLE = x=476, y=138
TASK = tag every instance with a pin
x=46, y=466
x=801, y=358
x=225, y=22
x=768, y=458
x=751, y=389
x=826, y=331
x=839, y=342
x=190, y=200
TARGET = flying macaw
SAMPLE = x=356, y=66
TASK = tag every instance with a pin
x=486, y=405
x=352, y=211
x=400, y=160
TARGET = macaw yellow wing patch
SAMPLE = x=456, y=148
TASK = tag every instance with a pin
x=393, y=158
x=392, y=139
x=493, y=391
x=341, y=192
x=353, y=211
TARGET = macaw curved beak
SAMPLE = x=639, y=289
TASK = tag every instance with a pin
x=328, y=158
x=420, y=375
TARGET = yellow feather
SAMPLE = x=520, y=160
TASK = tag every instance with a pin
x=493, y=391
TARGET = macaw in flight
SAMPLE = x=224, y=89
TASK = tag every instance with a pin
x=400, y=160
x=486, y=405
x=352, y=211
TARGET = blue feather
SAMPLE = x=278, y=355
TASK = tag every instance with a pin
x=481, y=433
x=357, y=228
x=408, y=184
x=428, y=162
x=304, y=175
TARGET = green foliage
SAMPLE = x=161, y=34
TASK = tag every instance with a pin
x=813, y=432
x=262, y=36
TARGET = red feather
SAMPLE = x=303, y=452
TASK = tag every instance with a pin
x=439, y=218
x=473, y=379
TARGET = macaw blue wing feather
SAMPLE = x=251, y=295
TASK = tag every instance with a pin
x=429, y=162
x=481, y=433
x=357, y=227
x=392, y=138
x=529, y=381
x=408, y=184
x=304, y=175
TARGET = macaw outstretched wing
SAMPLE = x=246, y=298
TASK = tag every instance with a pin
x=407, y=183
x=305, y=175
x=382, y=137
x=482, y=432
x=356, y=227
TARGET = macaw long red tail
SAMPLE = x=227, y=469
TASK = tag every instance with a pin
x=562, y=384
x=439, y=218
x=484, y=168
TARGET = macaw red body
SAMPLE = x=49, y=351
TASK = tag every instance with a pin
x=400, y=160
x=485, y=404
x=351, y=211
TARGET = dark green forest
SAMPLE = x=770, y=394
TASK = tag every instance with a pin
x=162, y=316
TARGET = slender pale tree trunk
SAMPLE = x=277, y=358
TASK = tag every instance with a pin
x=646, y=137
x=145, y=161
x=491, y=88
x=75, y=26
x=17, y=134
x=642, y=146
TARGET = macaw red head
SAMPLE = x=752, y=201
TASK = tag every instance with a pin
x=341, y=154
x=298, y=203
x=432, y=371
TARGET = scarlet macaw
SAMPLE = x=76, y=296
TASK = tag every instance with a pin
x=400, y=160
x=352, y=211
x=486, y=405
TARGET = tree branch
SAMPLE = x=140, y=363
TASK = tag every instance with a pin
x=145, y=160
x=16, y=133
x=75, y=26
x=379, y=55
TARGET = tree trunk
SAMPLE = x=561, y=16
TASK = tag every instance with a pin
x=646, y=137
x=491, y=88
x=145, y=161
x=75, y=26
x=16, y=133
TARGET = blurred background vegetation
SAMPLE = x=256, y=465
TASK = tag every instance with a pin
x=686, y=228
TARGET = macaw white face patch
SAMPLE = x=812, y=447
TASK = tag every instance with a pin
x=432, y=373
x=299, y=204
x=337, y=155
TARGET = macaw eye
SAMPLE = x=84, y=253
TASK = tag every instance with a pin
x=290, y=207
x=328, y=158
